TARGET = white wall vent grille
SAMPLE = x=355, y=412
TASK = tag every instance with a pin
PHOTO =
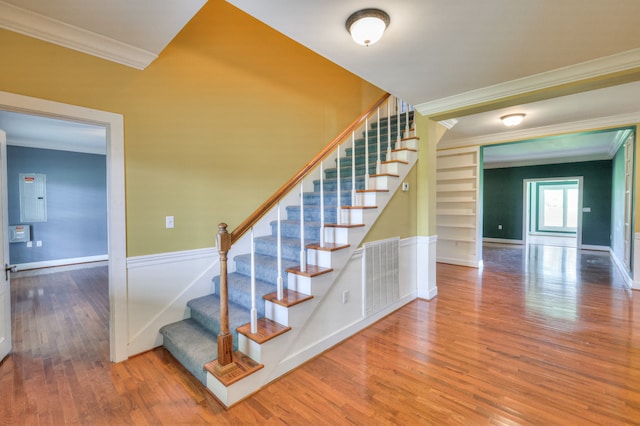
x=380, y=274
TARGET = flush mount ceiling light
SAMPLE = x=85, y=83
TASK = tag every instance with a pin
x=366, y=26
x=512, y=119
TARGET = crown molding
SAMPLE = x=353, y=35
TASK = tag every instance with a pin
x=590, y=69
x=53, y=31
x=449, y=123
x=537, y=132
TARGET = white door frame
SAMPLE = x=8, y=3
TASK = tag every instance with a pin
x=526, y=217
x=116, y=217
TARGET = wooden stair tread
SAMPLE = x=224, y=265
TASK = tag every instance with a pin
x=245, y=366
x=328, y=246
x=385, y=174
x=395, y=161
x=312, y=271
x=266, y=330
x=358, y=207
x=405, y=149
x=335, y=225
x=409, y=138
x=289, y=298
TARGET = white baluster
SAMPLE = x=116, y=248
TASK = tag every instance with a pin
x=322, y=243
x=388, y=129
x=338, y=197
x=406, y=125
x=303, y=254
x=398, y=129
x=378, y=162
x=280, y=287
x=415, y=124
x=353, y=168
x=254, y=310
x=366, y=153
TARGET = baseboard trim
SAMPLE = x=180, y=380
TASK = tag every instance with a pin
x=60, y=262
x=628, y=280
x=502, y=241
x=595, y=248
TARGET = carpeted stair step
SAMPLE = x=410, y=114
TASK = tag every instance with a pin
x=312, y=213
x=345, y=183
x=359, y=159
x=266, y=267
x=373, y=149
x=291, y=229
x=191, y=344
x=205, y=311
x=332, y=172
x=239, y=292
x=268, y=245
x=330, y=197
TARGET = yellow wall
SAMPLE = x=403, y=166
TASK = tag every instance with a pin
x=399, y=217
x=430, y=133
x=229, y=111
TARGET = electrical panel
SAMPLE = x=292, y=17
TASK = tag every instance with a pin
x=19, y=233
x=33, y=197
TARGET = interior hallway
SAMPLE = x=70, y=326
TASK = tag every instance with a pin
x=557, y=343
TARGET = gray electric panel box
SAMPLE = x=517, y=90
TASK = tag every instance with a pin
x=19, y=233
x=33, y=200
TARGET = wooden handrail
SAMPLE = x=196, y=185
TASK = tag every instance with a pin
x=302, y=173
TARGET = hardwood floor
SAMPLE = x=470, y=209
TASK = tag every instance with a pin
x=548, y=335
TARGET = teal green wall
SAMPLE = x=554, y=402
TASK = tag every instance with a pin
x=617, y=203
x=503, y=198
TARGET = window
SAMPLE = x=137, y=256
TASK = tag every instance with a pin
x=557, y=206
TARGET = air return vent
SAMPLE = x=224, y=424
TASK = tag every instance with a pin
x=380, y=276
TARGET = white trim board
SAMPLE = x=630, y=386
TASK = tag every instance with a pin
x=590, y=69
x=538, y=132
x=60, y=262
x=117, y=234
x=50, y=30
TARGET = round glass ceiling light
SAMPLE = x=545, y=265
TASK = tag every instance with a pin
x=366, y=26
x=512, y=119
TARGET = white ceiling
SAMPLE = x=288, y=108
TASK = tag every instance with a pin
x=35, y=131
x=437, y=55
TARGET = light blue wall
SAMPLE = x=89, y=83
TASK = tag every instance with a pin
x=76, y=204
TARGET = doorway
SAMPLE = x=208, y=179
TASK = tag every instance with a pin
x=114, y=125
x=552, y=211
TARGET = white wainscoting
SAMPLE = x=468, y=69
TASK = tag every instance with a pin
x=158, y=289
x=636, y=262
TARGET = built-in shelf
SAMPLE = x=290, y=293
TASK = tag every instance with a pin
x=457, y=194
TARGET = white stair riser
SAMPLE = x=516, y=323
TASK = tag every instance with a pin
x=319, y=258
x=391, y=168
x=401, y=155
x=336, y=235
x=366, y=199
x=409, y=143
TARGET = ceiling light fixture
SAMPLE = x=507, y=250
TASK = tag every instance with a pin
x=512, y=119
x=366, y=26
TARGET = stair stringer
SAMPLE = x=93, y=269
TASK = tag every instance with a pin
x=291, y=349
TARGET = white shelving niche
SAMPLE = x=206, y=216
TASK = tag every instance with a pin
x=458, y=210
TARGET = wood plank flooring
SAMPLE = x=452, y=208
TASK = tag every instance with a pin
x=545, y=336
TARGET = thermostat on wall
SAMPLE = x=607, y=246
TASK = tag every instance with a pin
x=19, y=233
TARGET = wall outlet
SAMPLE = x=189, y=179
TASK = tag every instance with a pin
x=38, y=243
x=499, y=226
x=168, y=222
x=345, y=296
x=29, y=244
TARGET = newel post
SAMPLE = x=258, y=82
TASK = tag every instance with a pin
x=225, y=362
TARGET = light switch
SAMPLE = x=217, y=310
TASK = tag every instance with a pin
x=169, y=222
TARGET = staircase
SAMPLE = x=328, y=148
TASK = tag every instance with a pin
x=328, y=198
